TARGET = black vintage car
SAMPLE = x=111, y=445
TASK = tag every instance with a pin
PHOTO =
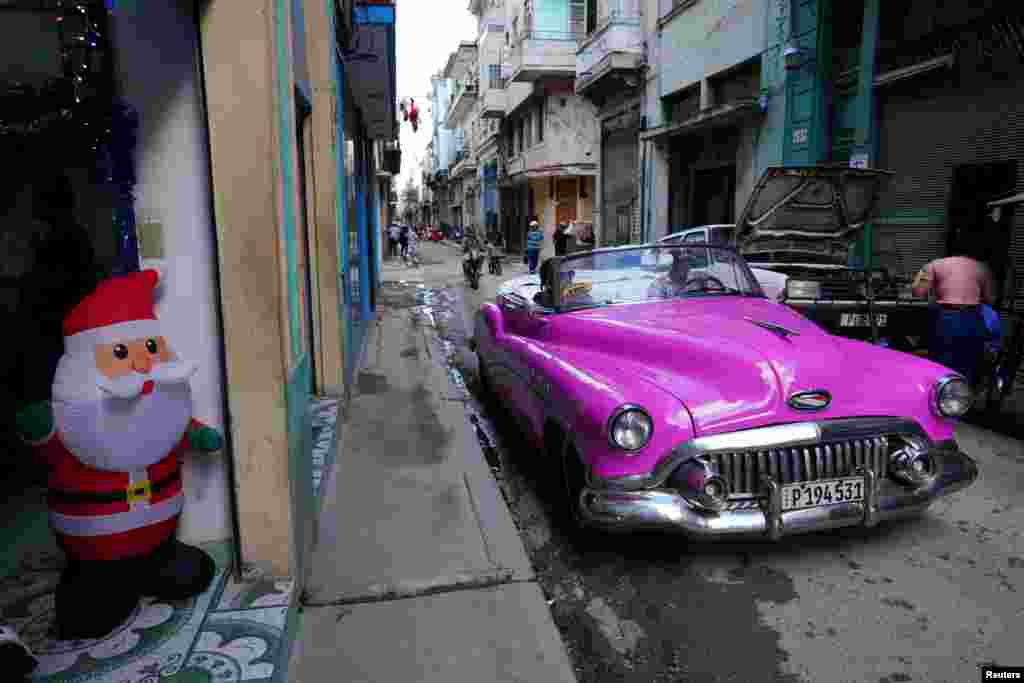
x=796, y=232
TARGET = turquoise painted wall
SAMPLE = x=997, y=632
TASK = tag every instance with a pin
x=342, y=180
x=298, y=387
x=300, y=461
x=806, y=138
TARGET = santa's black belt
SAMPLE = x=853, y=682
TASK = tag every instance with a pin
x=141, y=491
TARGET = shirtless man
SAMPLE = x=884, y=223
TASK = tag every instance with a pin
x=961, y=284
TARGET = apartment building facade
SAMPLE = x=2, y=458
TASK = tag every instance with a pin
x=551, y=139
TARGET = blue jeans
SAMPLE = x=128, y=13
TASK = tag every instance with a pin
x=531, y=259
x=958, y=340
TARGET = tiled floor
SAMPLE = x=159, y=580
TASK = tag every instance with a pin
x=233, y=632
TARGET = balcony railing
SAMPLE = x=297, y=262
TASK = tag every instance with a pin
x=462, y=101
x=540, y=53
x=616, y=45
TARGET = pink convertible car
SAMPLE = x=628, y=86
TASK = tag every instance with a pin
x=667, y=392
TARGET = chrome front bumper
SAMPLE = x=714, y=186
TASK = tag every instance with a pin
x=666, y=509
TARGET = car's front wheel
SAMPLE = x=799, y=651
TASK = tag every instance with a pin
x=573, y=476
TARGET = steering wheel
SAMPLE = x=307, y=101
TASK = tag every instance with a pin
x=704, y=281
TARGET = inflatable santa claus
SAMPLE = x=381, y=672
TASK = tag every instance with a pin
x=113, y=437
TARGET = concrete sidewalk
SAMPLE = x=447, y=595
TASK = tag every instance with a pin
x=419, y=573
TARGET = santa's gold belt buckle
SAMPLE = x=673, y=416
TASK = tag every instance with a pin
x=141, y=492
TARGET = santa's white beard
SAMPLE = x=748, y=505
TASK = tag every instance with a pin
x=119, y=434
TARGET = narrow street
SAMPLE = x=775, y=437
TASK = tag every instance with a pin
x=926, y=600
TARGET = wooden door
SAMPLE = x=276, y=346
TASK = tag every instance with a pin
x=567, y=193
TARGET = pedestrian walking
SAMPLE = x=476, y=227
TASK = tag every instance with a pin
x=534, y=242
x=403, y=239
x=961, y=285
x=393, y=234
x=411, y=257
x=561, y=239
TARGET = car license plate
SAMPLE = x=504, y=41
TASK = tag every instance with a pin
x=862, y=319
x=818, y=493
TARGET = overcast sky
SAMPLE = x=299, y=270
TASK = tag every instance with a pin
x=426, y=32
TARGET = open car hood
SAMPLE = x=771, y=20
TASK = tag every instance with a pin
x=807, y=210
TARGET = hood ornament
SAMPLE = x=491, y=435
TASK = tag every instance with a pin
x=819, y=399
x=783, y=332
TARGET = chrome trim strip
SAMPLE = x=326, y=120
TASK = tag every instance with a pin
x=772, y=327
x=618, y=510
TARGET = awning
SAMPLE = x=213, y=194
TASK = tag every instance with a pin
x=713, y=117
x=1015, y=199
x=369, y=61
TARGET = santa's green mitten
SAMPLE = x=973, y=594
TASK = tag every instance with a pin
x=34, y=422
x=205, y=439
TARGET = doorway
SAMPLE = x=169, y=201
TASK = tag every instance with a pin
x=307, y=257
x=713, y=195
x=987, y=240
x=566, y=193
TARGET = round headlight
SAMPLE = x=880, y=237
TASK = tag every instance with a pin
x=953, y=396
x=630, y=428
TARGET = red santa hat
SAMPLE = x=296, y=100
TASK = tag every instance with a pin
x=120, y=308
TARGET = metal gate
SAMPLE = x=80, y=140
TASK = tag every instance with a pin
x=929, y=126
x=619, y=165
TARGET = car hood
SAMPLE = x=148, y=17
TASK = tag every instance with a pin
x=721, y=358
x=816, y=210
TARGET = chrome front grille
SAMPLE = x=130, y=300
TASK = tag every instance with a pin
x=743, y=470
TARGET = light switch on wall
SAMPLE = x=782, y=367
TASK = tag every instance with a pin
x=151, y=239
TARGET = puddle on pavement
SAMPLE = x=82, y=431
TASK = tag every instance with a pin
x=439, y=309
x=486, y=443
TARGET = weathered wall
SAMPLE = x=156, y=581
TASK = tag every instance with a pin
x=708, y=37
x=571, y=134
x=156, y=68
x=444, y=140
x=244, y=129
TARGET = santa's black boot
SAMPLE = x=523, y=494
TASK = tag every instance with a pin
x=93, y=599
x=176, y=571
x=15, y=657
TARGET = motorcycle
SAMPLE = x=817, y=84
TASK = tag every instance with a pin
x=471, y=268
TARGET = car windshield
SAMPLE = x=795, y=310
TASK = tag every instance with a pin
x=653, y=273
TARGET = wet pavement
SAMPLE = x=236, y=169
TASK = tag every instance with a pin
x=926, y=600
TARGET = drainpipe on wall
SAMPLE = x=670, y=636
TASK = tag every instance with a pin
x=644, y=203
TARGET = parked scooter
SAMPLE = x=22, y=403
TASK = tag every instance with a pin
x=472, y=262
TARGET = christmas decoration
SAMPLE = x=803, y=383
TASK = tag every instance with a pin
x=113, y=438
x=83, y=123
